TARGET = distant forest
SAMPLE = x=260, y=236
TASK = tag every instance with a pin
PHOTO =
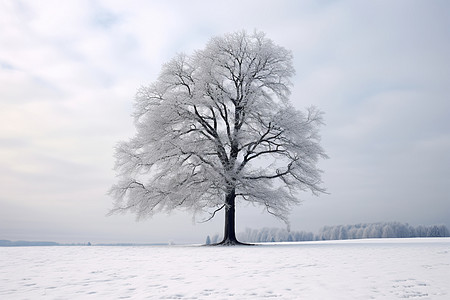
x=341, y=232
x=7, y=243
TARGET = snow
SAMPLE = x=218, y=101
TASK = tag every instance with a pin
x=352, y=269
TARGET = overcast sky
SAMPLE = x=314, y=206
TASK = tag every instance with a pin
x=380, y=70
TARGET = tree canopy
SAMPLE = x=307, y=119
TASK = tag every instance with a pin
x=215, y=127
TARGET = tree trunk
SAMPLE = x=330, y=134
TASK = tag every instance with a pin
x=229, y=237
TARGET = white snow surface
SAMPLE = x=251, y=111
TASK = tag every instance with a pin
x=352, y=269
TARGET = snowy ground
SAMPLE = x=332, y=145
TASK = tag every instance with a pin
x=357, y=269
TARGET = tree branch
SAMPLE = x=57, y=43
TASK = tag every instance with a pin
x=213, y=214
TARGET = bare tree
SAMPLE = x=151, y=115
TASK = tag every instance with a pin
x=217, y=127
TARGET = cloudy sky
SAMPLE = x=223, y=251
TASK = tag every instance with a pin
x=380, y=70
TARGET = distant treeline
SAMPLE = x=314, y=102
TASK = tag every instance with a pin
x=6, y=243
x=341, y=232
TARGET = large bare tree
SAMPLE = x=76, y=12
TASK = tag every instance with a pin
x=217, y=127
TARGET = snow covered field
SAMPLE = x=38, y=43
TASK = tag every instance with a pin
x=352, y=269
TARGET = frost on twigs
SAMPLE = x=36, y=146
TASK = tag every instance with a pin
x=217, y=127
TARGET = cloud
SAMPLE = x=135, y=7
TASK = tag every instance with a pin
x=69, y=71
